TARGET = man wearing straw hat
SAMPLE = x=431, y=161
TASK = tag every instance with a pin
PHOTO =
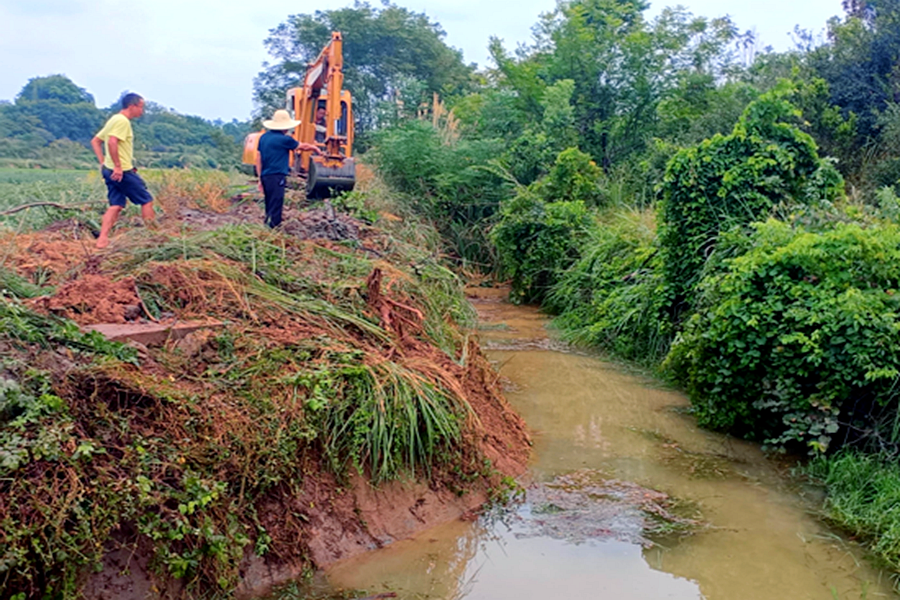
x=273, y=162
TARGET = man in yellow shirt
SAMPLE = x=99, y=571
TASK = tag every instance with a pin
x=117, y=166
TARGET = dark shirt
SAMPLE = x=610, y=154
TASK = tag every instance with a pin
x=274, y=150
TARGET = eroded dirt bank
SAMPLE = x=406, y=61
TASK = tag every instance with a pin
x=231, y=458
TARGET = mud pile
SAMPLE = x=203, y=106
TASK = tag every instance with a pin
x=314, y=223
x=340, y=406
x=93, y=298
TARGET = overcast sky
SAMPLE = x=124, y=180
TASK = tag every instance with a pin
x=199, y=56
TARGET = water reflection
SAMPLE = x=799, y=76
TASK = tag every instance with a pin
x=763, y=542
x=505, y=560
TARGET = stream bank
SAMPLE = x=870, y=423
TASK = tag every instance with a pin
x=762, y=539
x=332, y=405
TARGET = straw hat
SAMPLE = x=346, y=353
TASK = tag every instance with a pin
x=281, y=120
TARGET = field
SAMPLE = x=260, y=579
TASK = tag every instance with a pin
x=84, y=193
x=64, y=187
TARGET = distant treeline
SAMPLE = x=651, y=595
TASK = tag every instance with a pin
x=52, y=120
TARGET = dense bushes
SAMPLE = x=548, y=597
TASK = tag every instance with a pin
x=536, y=240
x=612, y=296
x=541, y=231
x=446, y=181
x=573, y=176
x=735, y=180
x=797, y=340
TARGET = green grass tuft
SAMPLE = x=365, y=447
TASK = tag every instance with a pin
x=864, y=497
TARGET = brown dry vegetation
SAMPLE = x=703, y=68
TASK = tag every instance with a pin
x=242, y=454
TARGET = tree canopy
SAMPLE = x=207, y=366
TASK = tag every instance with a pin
x=388, y=51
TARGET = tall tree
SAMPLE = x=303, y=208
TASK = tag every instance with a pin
x=861, y=61
x=54, y=87
x=622, y=66
x=384, y=48
x=62, y=108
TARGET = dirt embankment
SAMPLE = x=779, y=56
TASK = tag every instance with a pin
x=255, y=423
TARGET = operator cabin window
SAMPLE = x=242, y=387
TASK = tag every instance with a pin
x=342, y=122
x=342, y=126
x=319, y=123
x=289, y=105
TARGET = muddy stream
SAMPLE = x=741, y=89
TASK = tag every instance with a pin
x=616, y=459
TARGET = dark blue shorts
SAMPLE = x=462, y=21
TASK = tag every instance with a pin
x=131, y=187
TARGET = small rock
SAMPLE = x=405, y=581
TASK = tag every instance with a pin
x=132, y=312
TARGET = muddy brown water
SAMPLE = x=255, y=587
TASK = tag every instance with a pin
x=589, y=416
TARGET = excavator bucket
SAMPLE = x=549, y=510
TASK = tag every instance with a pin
x=325, y=180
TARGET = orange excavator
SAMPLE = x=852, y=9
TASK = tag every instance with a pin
x=325, y=111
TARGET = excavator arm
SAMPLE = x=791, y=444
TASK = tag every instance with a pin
x=326, y=72
x=322, y=91
x=323, y=88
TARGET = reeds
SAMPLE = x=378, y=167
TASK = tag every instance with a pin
x=610, y=298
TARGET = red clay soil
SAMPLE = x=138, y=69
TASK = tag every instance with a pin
x=93, y=299
x=321, y=521
x=51, y=255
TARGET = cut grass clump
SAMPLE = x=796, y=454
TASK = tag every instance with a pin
x=383, y=415
x=326, y=357
x=11, y=284
x=863, y=496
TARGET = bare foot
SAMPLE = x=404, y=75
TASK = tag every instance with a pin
x=102, y=243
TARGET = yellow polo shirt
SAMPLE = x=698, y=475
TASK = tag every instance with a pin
x=119, y=127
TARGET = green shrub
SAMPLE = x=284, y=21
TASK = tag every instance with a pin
x=611, y=297
x=446, y=182
x=798, y=338
x=725, y=181
x=529, y=157
x=574, y=176
x=537, y=240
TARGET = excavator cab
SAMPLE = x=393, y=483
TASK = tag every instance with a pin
x=330, y=127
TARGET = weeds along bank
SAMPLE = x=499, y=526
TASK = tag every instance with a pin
x=764, y=293
x=753, y=282
x=340, y=355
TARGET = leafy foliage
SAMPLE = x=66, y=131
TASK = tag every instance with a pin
x=621, y=67
x=536, y=240
x=796, y=341
x=859, y=63
x=450, y=183
x=384, y=49
x=574, y=176
x=734, y=180
x=611, y=298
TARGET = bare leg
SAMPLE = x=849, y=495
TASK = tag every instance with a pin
x=109, y=219
x=148, y=214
